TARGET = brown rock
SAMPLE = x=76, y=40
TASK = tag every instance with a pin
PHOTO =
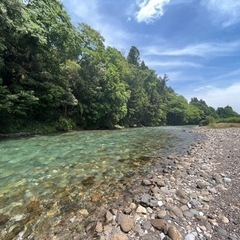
x=174, y=234
x=161, y=213
x=126, y=224
x=181, y=193
x=177, y=212
x=99, y=227
x=119, y=236
x=160, y=224
x=109, y=216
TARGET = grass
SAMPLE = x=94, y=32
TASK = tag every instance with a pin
x=226, y=123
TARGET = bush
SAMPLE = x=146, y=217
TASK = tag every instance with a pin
x=229, y=120
x=65, y=124
x=208, y=120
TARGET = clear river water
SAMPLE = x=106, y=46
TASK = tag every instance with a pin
x=42, y=170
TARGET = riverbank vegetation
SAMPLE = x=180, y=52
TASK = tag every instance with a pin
x=58, y=77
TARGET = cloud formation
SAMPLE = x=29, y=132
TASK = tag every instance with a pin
x=150, y=10
x=221, y=97
x=199, y=50
x=224, y=12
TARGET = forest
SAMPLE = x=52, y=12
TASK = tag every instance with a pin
x=55, y=76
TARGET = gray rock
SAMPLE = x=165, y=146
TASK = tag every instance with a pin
x=149, y=236
x=146, y=225
x=222, y=232
x=161, y=213
x=201, y=185
x=188, y=214
x=181, y=193
x=191, y=236
x=145, y=199
x=227, y=180
x=146, y=182
x=177, y=211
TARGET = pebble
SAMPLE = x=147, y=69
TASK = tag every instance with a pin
x=160, y=224
x=227, y=180
x=141, y=209
x=174, y=234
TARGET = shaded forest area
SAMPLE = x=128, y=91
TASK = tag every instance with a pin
x=58, y=77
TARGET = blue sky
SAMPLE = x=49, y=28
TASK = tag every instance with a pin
x=195, y=42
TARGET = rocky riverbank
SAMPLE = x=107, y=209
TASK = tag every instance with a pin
x=194, y=196
x=191, y=197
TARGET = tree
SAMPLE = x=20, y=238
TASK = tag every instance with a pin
x=134, y=56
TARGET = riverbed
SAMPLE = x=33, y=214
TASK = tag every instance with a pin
x=43, y=177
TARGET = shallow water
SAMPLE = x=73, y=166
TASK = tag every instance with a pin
x=47, y=168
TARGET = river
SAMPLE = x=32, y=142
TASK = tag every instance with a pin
x=40, y=172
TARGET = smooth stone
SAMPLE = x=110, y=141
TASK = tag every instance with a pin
x=191, y=236
x=174, y=234
x=161, y=213
x=222, y=231
x=177, y=211
x=126, y=224
x=181, y=193
x=227, y=180
x=149, y=236
x=146, y=225
x=188, y=214
x=119, y=236
x=201, y=185
x=141, y=209
x=160, y=224
x=223, y=219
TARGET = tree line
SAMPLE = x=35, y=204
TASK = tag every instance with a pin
x=58, y=75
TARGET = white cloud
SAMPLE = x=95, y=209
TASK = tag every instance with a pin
x=219, y=96
x=200, y=50
x=150, y=10
x=170, y=64
x=225, y=12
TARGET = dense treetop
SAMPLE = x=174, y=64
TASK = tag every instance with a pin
x=55, y=74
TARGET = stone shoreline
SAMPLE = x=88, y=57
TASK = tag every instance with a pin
x=191, y=197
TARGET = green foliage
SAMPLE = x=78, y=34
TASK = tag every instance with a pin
x=55, y=77
x=229, y=120
x=226, y=112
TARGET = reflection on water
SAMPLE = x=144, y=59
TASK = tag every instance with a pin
x=36, y=174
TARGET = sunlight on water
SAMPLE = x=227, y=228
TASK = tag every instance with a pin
x=46, y=167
